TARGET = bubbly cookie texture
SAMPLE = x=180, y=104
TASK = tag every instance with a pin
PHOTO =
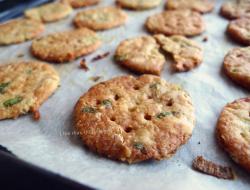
x=140, y=54
x=134, y=119
x=233, y=131
x=25, y=86
x=101, y=18
x=65, y=46
x=49, y=12
x=186, y=53
x=19, y=30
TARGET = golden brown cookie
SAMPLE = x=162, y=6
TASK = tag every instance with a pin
x=202, y=6
x=140, y=54
x=233, y=131
x=135, y=119
x=25, y=86
x=65, y=46
x=237, y=66
x=80, y=3
x=19, y=30
x=49, y=12
x=138, y=4
x=176, y=22
x=101, y=18
x=186, y=53
x=239, y=30
x=236, y=9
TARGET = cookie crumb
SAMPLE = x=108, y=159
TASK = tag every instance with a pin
x=210, y=168
x=36, y=115
x=95, y=78
x=205, y=39
x=100, y=56
x=83, y=65
x=20, y=55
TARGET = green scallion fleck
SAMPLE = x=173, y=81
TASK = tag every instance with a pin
x=12, y=101
x=89, y=109
x=163, y=114
x=3, y=86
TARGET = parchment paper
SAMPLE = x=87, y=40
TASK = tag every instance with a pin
x=52, y=144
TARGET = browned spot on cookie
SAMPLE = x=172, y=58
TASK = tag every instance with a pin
x=210, y=168
x=36, y=115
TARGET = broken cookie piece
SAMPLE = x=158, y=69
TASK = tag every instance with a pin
x=210, y=168
x=186, y=53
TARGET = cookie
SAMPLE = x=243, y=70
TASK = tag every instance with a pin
x=140, y=54
x=25, y=86
x=176, y=22
x=65, y=46
x=49, y=12
x=101, y=18
x=80, y=3
x=134, y=119
x=237, y=66
x=239, y=30
x=202, y=6
x=138, y=4
x=186, y=53
x=235, y=9
x=19, y=30
x=233, y=131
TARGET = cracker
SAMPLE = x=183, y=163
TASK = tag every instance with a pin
x=49, y=12
x=186, y=53
x=235, y=9
x=239, y=30
x=135, y=119
x=202, y=6
x=233, y=131
x=19, y=30
x=80, y=3
x=25, y=86
x=138, y=4
x=176, y=22
x=237, y=66
x=101, y=18
x=65, y=46
x=140, y=54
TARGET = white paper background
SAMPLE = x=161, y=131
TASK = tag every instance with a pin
x=45, y=144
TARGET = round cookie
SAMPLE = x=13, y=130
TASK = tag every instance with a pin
x=237, y=66
x=19, y=30
x=202, y=6
x=25, y=86
x=101, y=18
x=65, y=46
x=135, y=119
x=239, y=30
x=233, y=131
x=80, y=3
x=176, y=22
x=186, y=53
x=138, y=4
x=140, y=54
x=49, y=12
x=236, y=9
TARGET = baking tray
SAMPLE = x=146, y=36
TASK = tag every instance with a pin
x=53, y=144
